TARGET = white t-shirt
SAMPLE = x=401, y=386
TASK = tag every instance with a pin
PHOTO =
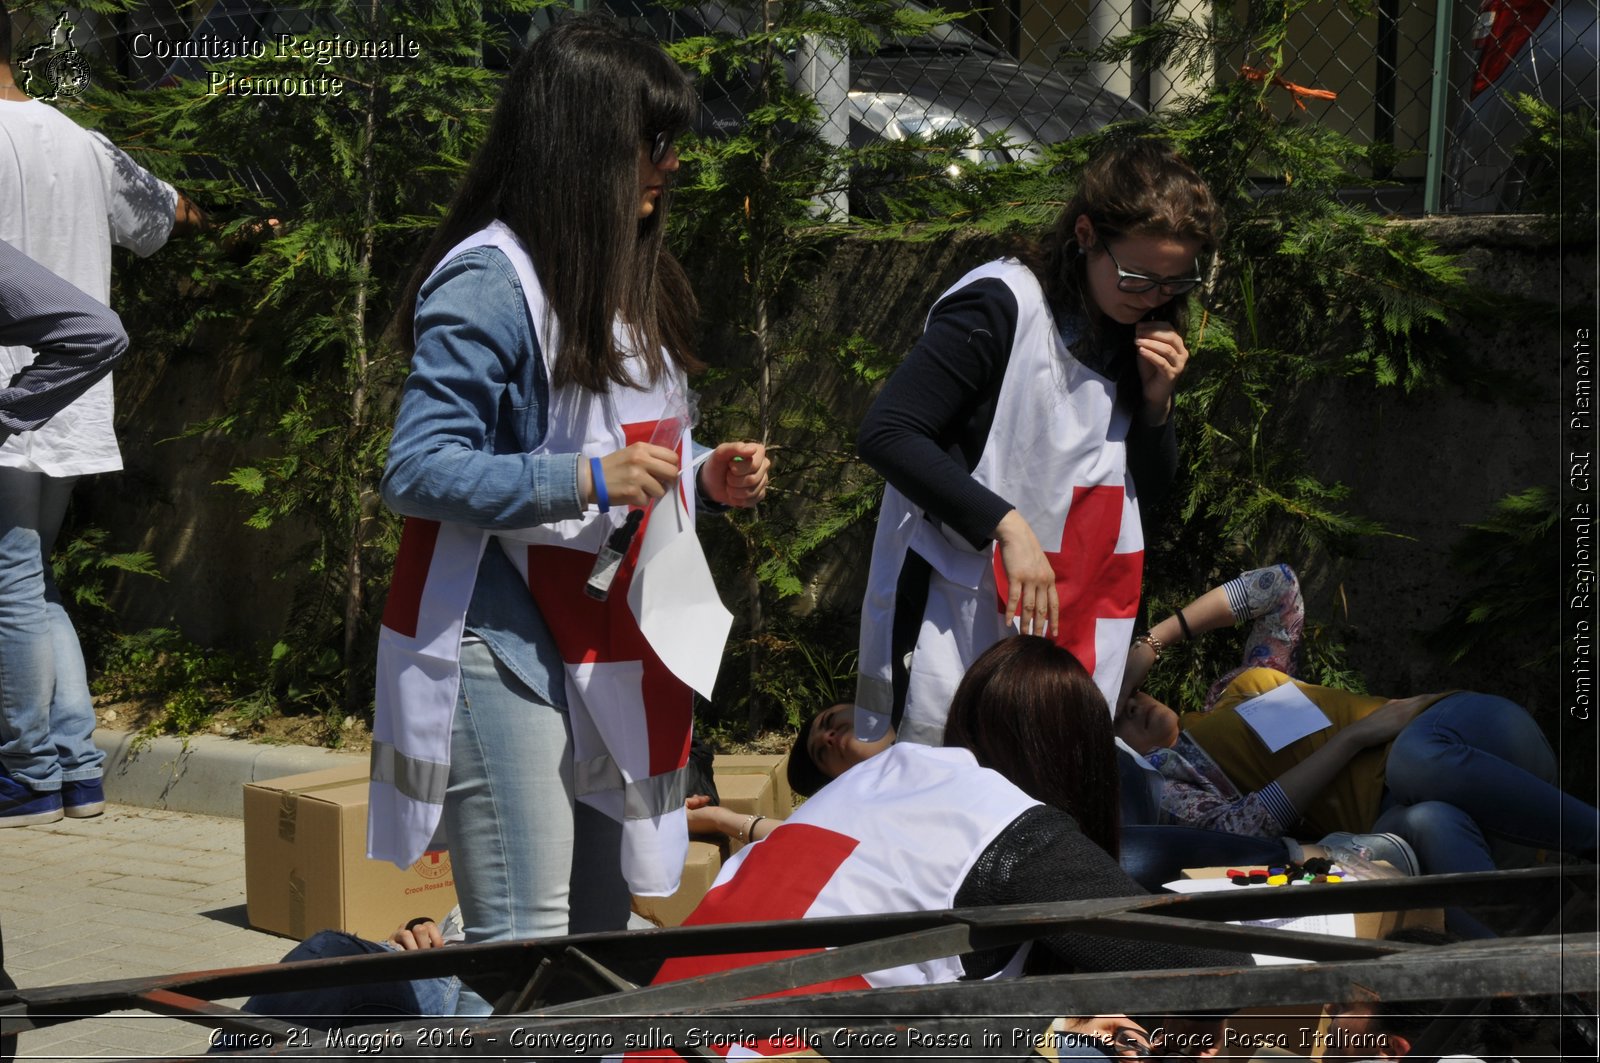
x=67, y=195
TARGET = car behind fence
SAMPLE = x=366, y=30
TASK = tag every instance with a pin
x=1432, y=83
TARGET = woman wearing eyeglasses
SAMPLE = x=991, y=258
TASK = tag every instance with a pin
x=546, y=398
x=1018, y=436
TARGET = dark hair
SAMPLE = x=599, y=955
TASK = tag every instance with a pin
x=1029, y=710
x=5, y=34
x=560, y=167
x=1133, y=188
x=1491, y=1029
x=805, y=775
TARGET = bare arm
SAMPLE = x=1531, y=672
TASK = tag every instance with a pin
x=1208, y=612
x=187, y=218
x=1302, y=783
x=706, y=818
x=1270, y=596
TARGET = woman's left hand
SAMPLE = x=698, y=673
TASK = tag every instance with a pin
x=1162, y=359
x=736, y=474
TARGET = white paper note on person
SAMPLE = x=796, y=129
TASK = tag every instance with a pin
x=1282, y=716
x=1339, y=924
x=675, y=599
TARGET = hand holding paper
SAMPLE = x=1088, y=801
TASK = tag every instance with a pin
x=676, y=600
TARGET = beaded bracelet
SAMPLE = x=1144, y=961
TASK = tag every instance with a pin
x=1149, y=640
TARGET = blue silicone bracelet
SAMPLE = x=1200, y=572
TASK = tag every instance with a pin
x=602, y=499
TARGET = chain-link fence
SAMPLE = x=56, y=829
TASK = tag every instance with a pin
x=1432, y=82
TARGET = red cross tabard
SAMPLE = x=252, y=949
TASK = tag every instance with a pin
x=779, y=879
x=1093, y=581
x=586, y=630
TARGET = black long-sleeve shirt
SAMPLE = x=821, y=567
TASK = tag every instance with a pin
x=928, y=426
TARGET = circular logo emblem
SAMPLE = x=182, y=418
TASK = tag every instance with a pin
x=433, y=865
x=68, y=72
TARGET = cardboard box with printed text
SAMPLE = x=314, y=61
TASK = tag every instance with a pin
x=306, y=866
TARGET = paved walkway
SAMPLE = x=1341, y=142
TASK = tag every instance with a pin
x=131, y=893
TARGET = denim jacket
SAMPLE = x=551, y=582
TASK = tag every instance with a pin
x=474, y=405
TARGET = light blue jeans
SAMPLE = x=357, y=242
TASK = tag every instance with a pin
x=1472, y=769
x=529, y=860
x=46, y=712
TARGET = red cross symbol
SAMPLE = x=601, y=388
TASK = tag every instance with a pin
x=586, y=630
x=779, y=879
x=1093, y=581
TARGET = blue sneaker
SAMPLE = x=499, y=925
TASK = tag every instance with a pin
x=83, y=798
x=22, y=806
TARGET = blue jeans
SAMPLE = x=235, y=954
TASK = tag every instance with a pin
x=1472, y=768
x=529, y=860
x=350, y=1005
x=1154, y=855
x=46, y=712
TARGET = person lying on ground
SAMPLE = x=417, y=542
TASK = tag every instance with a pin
x=355, y=1005
x=1446, y=772
x=1151, y=854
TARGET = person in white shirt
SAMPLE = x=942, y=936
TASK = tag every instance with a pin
x=67, y=195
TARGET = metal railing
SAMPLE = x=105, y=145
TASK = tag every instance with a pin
x=567, y=991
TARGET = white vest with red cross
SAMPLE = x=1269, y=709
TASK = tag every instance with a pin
x=898, y=832
x=1057, y=451
x=630, y=716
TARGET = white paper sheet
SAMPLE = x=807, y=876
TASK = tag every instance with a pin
x=1342, y=924
x=1282, y=716
x=676, y=600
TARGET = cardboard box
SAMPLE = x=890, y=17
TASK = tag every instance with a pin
x=699, y=871
x=773, y=765
x=749, y=795
x=306, y=866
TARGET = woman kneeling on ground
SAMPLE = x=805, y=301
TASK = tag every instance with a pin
x=1019, y=807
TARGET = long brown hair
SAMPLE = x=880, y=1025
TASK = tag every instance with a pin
x=1135, y=187
x=560, y=167
x=1029, y=710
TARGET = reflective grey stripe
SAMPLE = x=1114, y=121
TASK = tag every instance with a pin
x=420, y=780
x=921, y=732
x=641, y=799
x=875, y=695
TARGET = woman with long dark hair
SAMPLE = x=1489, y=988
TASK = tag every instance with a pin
x=1013, y=435
x=1018, y=807
x=1027, y=709
x=547, y=399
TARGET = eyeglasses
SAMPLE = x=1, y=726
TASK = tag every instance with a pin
x=660, y=145
x=1138, y=283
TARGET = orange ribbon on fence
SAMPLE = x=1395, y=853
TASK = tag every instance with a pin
x=1300, y=92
